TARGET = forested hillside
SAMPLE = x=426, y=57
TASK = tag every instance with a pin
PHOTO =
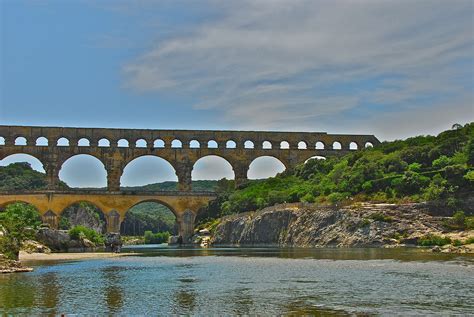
x=202, y=185
x=423, y=168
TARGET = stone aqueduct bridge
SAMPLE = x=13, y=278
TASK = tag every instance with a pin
x=115, y=148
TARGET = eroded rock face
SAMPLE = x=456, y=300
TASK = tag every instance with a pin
x=308, y=225
x=83, y=215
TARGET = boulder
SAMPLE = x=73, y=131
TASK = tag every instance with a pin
x=31, y=246
x=57, y=240
x=113, y=242
x=86, y=243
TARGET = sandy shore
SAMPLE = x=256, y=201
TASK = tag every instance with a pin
x=24, y=256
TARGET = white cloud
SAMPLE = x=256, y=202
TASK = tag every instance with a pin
x=287, y=65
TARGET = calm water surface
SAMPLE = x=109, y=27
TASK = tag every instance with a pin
x=263, y=281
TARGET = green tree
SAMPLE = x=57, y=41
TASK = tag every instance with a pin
x=18, y=223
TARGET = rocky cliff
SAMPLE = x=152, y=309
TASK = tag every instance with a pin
x=309, y=225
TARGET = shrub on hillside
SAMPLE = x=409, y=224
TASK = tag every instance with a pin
x=432, y=240
x=80, y=232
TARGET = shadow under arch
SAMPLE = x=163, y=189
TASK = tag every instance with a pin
x=212, y=167
x=149, y=169
x=21, y=157
x=83, y=171
x=265, y=166
x=159, y=217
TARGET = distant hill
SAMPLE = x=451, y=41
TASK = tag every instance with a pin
x=203, y=185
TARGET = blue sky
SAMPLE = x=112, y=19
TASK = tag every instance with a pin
x=389, y=68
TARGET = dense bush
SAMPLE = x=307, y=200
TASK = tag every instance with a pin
x=17, y=224
x=80, y=232
x=459, y=221
x=432, y=240
x=156, y=238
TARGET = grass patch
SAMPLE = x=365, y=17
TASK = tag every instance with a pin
x=381, y=217
x=432, y=240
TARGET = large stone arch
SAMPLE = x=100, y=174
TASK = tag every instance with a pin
x=210, y=156
x=38, y=158
x=141, y=156
x=41, y=206
x=152, y=200
x=4, y=204
x=69, y=158
x=62, y=206
x=273, y=157
x=62, y=209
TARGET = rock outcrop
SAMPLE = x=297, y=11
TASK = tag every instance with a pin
x=12, y=266
x=59, y=240
x=113, y=242
x=310, y=225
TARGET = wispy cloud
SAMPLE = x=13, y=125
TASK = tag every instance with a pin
x=288, y=65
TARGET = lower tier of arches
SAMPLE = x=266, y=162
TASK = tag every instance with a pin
x=114, y=206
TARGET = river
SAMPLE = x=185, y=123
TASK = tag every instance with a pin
x=161, y=280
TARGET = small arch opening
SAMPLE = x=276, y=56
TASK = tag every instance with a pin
x=104, y=142
x=20, y=141
x=41, y=141
x=212, y=144
x=62, y=142
x=284, y=145
x=249, y=145
x=231, y=144
x=176, y=144
x=122, y=143
x=319, y=145
x=265, y=167
x=368, y=145
x=266, y=145
x=194, y=144
x=141, y=143
x=302, y=145
x=2, y=140
x=159, y=143
x=353, y=146
x=153, y=220
x=83, y=142
x=336, y=146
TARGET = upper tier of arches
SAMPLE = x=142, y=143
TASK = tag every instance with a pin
x=180, y=139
